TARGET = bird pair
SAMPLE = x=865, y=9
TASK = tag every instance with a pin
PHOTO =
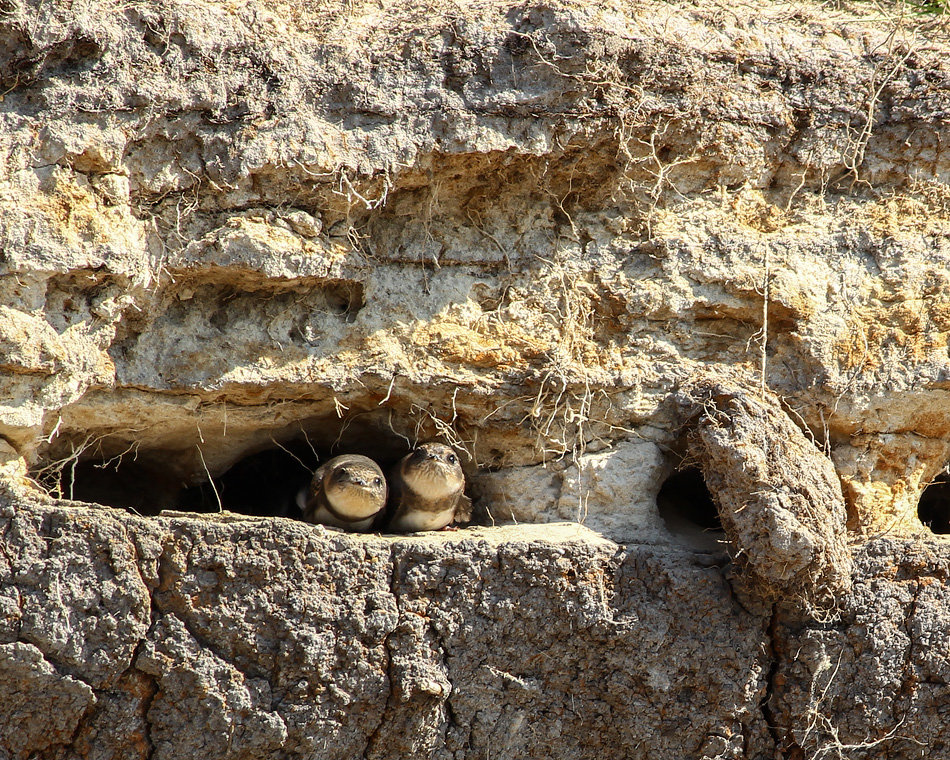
x=425, y=492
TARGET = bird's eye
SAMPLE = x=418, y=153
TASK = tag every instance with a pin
x=452, y=458
x=377, y=481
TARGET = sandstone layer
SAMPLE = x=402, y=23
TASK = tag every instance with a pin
x=607, y=251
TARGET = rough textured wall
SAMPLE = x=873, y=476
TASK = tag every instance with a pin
x=239, y=236
x=183, y=637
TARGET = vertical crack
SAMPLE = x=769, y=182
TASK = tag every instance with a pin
x=765, y=707
x=909, y=680
x=146, y=703
x=451, y=720
x=373, y=738
x=8, y=526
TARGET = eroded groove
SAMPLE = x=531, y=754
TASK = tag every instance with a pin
x=768, y=714
x=146, y=703
x=374, y=735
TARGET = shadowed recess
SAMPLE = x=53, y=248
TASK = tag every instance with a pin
x=139, y=484
x=933, y=509
x=264, y=481
x=685, y=504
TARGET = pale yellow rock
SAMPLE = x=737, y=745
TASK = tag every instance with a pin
x=520, y=238
x=14, y=476
x=28, y=344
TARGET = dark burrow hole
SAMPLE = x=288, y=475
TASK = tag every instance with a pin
x=933, y=509
x=686, y=506
x=264, y=482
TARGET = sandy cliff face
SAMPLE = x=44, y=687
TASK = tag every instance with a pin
x=590, y=246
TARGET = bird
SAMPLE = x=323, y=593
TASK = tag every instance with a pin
x=347, y=492
x=427, y=491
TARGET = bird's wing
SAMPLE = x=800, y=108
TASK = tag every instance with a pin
x=394, y=501
x=315, y=493
x=463, y=509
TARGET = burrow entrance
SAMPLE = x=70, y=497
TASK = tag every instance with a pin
x=264, y=479
x=687, y=508
x=933, y=509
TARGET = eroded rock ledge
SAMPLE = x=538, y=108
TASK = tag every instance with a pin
x=227, y=636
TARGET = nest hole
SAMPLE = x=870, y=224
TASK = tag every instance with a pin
x=933, y=509
x=265, y=481
x=686, y=505
x=140, y=485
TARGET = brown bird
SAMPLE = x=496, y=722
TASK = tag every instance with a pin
x=427, y=490
x=346, y=492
